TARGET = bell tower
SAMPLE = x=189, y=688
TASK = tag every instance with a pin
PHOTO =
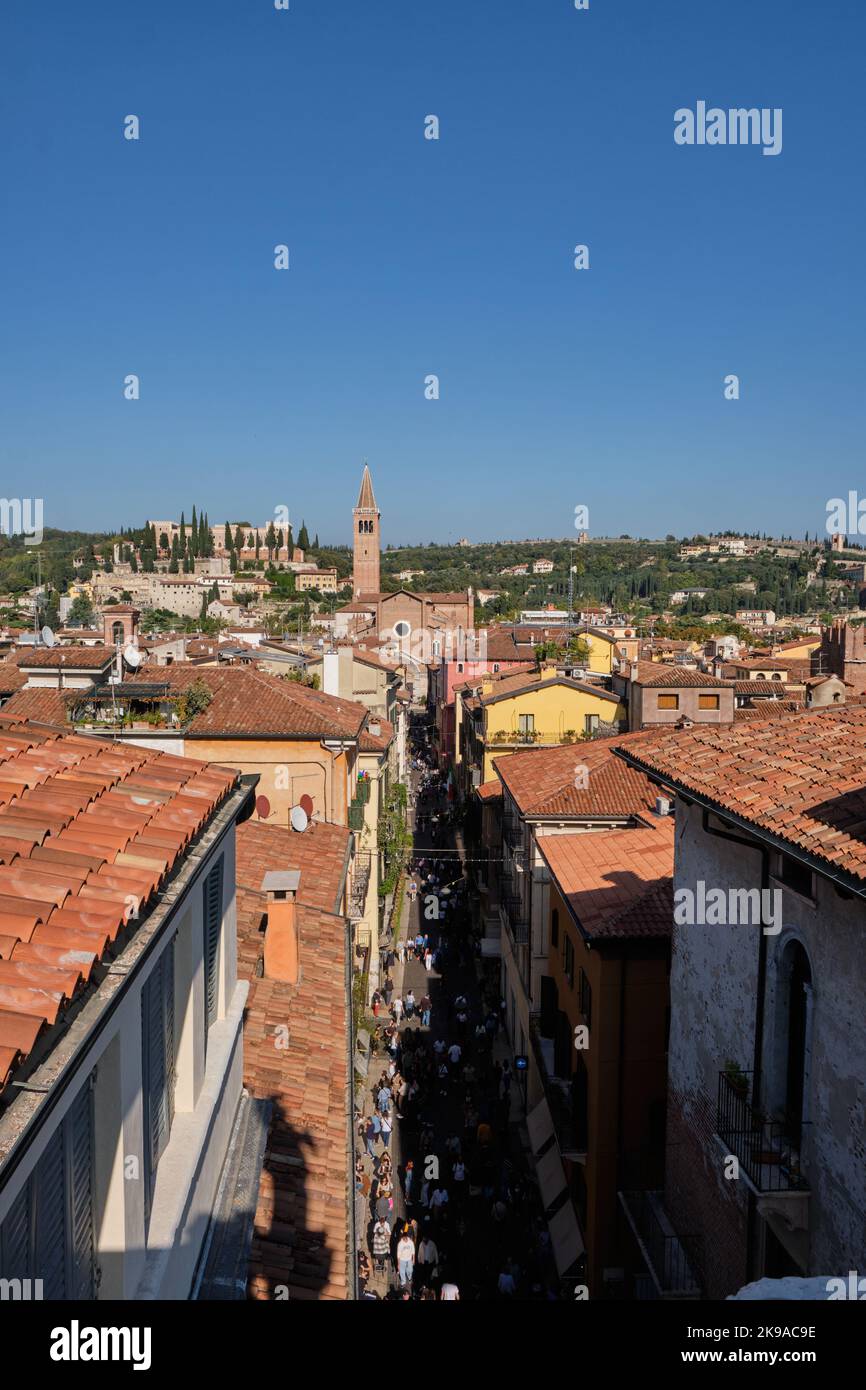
x=365, y=522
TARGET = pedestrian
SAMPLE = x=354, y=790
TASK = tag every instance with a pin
x=506, y=1285
x=387, y=1126
x=426, y=1007
x=371, y=1134
x=428, y=960
x=405, y=1258
x=387, y=991
x=376, y=1002
x=401, y=950
x=381, y=1243
x=438, y=1203
x=449, y=1293
x=454, y=1055
x=409, y=1004
x=505, y=1080
x=397, y=1009
x=383, y=1098
x=408, y=1179
x=413, y=890
x=428, y=1260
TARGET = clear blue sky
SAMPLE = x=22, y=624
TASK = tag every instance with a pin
x=262, y=388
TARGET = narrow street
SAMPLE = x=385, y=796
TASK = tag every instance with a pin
x=455, y=1173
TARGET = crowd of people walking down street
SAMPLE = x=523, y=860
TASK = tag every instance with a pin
x=449, y=1209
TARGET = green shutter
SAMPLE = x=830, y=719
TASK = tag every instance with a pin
x=49, y=1197
x=79, y=1164
x=212, y=916
x=157, y=1053
x=48, y=1233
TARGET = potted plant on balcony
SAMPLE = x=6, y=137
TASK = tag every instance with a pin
x=737, y=1078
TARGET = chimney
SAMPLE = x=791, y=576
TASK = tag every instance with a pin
x=374, y=727
x=331, y=673
x=282, y=947
x=632, y=671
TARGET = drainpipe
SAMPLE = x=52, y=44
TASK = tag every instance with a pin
x=751, y=1214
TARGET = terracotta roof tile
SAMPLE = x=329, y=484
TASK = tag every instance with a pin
x=88, y=831
x=302, y=1216
x=799, y=778
x=617, y=883
x=251, y=702
x=581, y=779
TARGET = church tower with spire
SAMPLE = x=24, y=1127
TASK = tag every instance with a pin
x=365, y=519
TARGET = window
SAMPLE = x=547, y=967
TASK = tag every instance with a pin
x=568, y=958
x=776, y=676
x=460, y=666
x=48, y=1233
x=584, y=996
x=708, y=702
x=526, y=723
x=554, y=927
x=496, y=665
x=668, y=701
x=212, y=892
x=402, y=629
x=590, y=723
x=795, y=876
x=157, y=1057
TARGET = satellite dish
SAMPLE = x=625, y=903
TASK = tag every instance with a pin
x=132, y=656
x=48, y=637
x=306, y=805
x=263, y=807
x=299, y=818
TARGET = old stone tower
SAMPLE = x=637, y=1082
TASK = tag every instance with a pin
x=366, y=531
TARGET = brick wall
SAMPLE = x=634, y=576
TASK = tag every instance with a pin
x=701, y=1202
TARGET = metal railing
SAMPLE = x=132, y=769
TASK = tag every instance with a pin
x=530, y=738
x=672, y=1258
x=768, y=1150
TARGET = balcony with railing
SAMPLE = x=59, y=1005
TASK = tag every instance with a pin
x=531, y=738
x=769, y=1150
x=670, y=1258
x=511, y=909
x=512, y=828
x=359, y=887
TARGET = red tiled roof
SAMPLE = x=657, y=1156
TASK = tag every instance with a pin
x=489, y=791
x=748, y=687
x=377, y=743
x=88, y=832
x=800, y=779
x=544, y=781
x=768, y=709
x=663, y=676
x=247, y=702
x=43, y=703
x=616, y=882
x=300, y=1236
x=516, y=684
x=11, y=678
x=71, y=658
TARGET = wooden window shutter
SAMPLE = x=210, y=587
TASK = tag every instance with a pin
x=213, y=911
